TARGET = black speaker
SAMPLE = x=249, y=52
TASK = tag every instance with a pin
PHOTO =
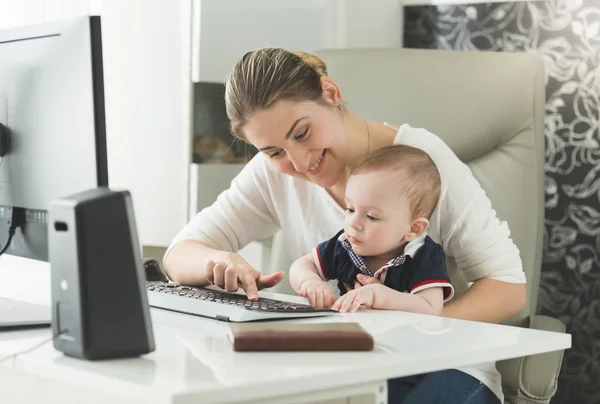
x=99, y=301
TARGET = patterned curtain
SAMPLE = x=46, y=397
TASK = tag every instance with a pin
x=566, y=34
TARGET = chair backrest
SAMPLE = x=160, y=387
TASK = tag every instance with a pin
x=488, y=107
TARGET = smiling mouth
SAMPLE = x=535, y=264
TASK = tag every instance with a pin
x=313, y=169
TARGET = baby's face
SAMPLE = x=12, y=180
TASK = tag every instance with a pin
x=377, y=214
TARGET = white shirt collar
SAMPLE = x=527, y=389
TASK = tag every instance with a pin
x=413, y=246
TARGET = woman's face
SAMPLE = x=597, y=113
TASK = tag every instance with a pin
x=304, y=139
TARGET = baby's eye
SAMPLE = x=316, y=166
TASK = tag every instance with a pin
x=349, y=210
x=372, y=218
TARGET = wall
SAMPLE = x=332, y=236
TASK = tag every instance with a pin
x=148, y=93
x=566, y=34
x=230, y=28
x=366, y=24
x=147, y=89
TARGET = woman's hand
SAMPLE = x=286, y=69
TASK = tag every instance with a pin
x=318, y=293
x=235, y=272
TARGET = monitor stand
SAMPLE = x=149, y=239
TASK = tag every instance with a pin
x=24, y=279
x=18, y=315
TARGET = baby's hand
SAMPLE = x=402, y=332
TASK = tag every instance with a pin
x=361, y=296
x=365, y=280
x=317, y=292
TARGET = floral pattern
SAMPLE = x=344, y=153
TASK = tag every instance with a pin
x=566, y=34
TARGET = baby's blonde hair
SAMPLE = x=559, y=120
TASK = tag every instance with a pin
x=419, y=178
x=268, y=75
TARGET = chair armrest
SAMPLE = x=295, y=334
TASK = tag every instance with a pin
x=534, y=377
x=545, y=323
x=539, y=373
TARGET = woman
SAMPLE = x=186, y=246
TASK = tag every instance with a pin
x=287, y=106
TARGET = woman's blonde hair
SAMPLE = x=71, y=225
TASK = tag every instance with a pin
x=419, y=178
x=268, y=75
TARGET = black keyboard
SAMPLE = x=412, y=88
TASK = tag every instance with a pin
x=199, y=293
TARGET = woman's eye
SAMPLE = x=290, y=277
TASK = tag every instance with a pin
x=302, y=135
x=276, y=154
x=372, y=218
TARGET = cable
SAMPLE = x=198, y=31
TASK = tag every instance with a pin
x=11, y=233
x=38, y=345
x=17, y=219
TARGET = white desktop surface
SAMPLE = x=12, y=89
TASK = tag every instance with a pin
x=194, y=361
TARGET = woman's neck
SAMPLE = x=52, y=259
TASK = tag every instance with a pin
x=360, y=140
x=363, y=137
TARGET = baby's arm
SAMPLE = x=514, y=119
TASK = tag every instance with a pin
x=427, y=301
x=302, y=270
x=305, y=280
x=378, y=296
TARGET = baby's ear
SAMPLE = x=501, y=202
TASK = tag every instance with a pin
x=417, y=228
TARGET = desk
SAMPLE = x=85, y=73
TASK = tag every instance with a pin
x=194, y=362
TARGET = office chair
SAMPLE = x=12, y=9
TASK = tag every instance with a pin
x=489, y=108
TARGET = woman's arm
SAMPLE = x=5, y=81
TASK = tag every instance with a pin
x=203, y=251
x=488, y=300
x=482, y=249
x=189, y=258
x=222, y=267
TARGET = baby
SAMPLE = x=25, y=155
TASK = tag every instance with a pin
x=382, y=259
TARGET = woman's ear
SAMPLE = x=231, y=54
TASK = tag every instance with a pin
x=331, y=92
x=417, y=228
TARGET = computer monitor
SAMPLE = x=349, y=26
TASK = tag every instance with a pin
x=52, y=102
x=54, y=136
